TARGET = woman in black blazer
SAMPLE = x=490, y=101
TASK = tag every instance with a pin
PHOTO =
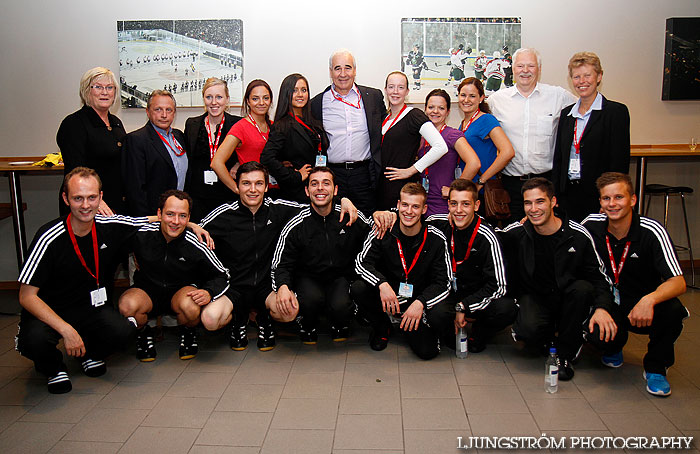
x=204, y=134
x=297, y=142
x=593, y=137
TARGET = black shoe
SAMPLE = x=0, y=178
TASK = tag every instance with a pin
x=93, y=368
x=239, y=338
x=188, y=342
x=476, y=345
x=308, y=336
x=266, y=337
x=340, y=334
x=379, y=339
x=566, y=370
x=59, y=383
x=145, y=348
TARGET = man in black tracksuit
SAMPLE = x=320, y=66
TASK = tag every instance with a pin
x=406, y=273
x=478, y=268
x=314, y=258
x=558, y=274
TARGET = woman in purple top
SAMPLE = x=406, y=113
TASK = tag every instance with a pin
x=439, y=175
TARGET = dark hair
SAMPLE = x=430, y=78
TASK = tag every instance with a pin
x=483, y=106
x=181, y=195
x=246, y=97
x=609, y=178
x=82, y=172
x=414, y=189
x=460, y=184
x=318, y=169
x=284, y=106
x=441, y=93
x=252, y=166
x=540, y=183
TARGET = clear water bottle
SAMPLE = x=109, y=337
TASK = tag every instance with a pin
x=461, y=345
x=551, y=372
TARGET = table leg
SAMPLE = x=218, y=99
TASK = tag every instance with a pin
x=18, y=218
x=641, y=181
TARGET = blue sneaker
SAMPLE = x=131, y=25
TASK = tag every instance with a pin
x=614, y=360
x=657, y=384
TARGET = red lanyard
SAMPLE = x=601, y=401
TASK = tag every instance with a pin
x=167, y=144
x=415, y=258
x=470, y=121
x=392, y=123
x=304, y=125
x=577, y=140
x=95, y=250
x=262, y=134
x=617, y=269
x=338, y=98
x=213, y=145
x=425, y=146
x=469, y=246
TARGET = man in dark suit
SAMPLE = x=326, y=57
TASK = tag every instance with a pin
x=352, y=117
x=154, y=159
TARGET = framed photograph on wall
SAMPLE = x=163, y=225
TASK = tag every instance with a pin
x=441, y=52
x=178, y=56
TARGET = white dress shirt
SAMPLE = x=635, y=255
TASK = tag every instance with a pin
x=346, y=126
x=530, y=124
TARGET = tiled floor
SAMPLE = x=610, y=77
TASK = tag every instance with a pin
x=339, y=398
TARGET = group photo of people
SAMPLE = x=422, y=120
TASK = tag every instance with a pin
x=344, y=209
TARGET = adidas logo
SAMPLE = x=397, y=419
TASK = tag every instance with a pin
x=634, y=256
x=104, y=246
x=473, y=250
x=182, y=259
x=269, y=222
x=571, y=249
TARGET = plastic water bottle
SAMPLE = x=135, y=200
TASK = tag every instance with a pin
x=551, y=372
x=461, y=346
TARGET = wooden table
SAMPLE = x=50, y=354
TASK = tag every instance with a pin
x=13, y=173
x=644, y=152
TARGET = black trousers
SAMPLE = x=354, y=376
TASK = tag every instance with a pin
x=356, y=185
x=251, y=298
x=666, y=327
x=317, y=296
x=436, y=324
x=499, y=314
x=541, y=316
x=103, y=330
x=513, y=185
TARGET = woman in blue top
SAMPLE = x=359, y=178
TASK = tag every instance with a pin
x=483, y=131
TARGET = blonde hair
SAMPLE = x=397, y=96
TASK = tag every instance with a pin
x=386, y=82
x=213, y=82
x=89, y=76
x=585, y=58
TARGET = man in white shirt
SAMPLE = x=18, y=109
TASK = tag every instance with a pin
x=529, y=115
x=352, y=117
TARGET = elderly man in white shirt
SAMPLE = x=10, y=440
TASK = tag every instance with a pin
x=529, y=115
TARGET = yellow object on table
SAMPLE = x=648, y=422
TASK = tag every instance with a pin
x=51, y=159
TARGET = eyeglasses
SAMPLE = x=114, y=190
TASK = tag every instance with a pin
x=108, y=88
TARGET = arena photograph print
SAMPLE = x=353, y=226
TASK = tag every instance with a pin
x=179, y=56
x=440, y=52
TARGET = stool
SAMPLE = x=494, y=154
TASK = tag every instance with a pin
x=667, y=191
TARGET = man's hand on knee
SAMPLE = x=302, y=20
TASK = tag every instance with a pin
x=606, y=325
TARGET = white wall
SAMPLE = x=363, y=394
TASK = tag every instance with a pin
x=46, y=46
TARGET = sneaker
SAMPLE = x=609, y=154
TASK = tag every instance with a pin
x=308, y=336
x=266, y=337
x=239, y=338
x=657, y=384
x=379, y=339
x=188, y=342
x=59, y=383
x=566, y=370
x=145, y=348
x=614, y=360
x=93, y=368
x=476, y=345
x=340, y=334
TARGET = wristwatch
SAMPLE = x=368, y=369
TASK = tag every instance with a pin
x=459, y=307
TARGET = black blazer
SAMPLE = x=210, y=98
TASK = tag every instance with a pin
x=375, y=111
x=193, y=124
x=605, y=145
x=148, y=170
x=290, y=141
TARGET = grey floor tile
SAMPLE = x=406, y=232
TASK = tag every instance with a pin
x=166, y=368
x=504, y=424
x=362, y=354
x=531, y=386
x=134, y=395
x=616, y=398
x=491, y=354
x=11, y=413
x=314, y=386
x=209, y=449
x=204, y=384
x=380, y=373
x=31, y=437
x=482, y=373
x=7, y=373
x=493, y=399
x=305, y=414
x=262, y=373
x=633, y=424
x=434, y=414
x=409, y=363
x=68, y=408
x=367, y=451
x=429, y=441
x=381, y=432
x=225, y=362
x=98, y=385
x=250, y=429
x=192, y=412
x=429, y=386
x=685, y=414
x=565, y=414
x=297, y=441
x=311, y=362
x=85, y=447
x=284, y=352
x=252, y=398
x=107, y=424
x=22, y=391
x=366, y=400
x=13, y=358
x=570, y=443
x=155, y=440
